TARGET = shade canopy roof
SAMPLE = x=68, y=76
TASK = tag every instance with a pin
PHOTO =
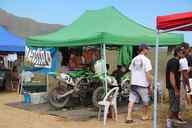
x=107, y=26
x=174, y=21
x=10, y=42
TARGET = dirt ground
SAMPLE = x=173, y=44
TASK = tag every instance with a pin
x=17, y=118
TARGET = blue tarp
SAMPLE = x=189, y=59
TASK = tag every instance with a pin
x=10, y=42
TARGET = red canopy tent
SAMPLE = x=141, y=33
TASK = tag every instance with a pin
x=167, y=23
x=177, y=21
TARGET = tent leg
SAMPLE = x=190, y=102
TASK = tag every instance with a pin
x=155, y=81
x=104, y=67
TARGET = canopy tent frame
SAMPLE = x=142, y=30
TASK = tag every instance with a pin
x=176, y=28
x=111, y=31
x=105, y=27
x=158, y=32
x=104, y=67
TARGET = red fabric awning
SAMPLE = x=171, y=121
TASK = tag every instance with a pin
x=174, y=20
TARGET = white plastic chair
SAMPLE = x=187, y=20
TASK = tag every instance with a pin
x=110, y=99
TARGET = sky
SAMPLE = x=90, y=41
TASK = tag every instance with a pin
x=66, y=11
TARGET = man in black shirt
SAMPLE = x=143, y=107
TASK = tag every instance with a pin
x=173, y=85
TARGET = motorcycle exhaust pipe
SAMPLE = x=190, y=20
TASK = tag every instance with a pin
x=66, y=94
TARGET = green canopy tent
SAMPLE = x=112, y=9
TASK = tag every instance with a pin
x=103, y=27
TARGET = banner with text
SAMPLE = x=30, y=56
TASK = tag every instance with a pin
x=38, y=57
x=42, y=60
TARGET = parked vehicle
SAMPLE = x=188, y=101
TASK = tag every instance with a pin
x=79, y=84
x=85, y=85
x=3, y=78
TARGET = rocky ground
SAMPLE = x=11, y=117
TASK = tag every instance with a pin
x=19, y=118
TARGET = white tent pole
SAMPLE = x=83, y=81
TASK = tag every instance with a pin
x=155, y=81
x=104, y=67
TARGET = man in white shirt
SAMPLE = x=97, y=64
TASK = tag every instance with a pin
x=141, y=80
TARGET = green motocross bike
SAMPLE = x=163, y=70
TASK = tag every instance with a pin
x=74, y=84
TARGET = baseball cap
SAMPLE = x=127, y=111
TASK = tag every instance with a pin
x=184, y=45
x=143, y=46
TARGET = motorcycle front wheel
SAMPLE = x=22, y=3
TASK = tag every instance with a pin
x=56, y=102
x=125, y=88
x=98, y=95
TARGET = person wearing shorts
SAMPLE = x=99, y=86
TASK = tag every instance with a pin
x=141, y=79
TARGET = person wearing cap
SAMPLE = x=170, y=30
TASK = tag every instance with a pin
x=173, y=84
x=184, y=69
x=141, y=80
x=185, y=65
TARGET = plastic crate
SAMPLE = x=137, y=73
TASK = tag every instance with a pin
x=38, y=97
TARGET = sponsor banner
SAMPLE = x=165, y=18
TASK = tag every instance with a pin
x=39, y=57
x=41, y=60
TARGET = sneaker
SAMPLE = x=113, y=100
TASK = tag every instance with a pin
x=144, y=118
x=129, y=121
x=168, y=123
x=182, y=120
x=178, y=121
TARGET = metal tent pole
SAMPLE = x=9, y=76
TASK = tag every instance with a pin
x=155, y=81
x=104, y=67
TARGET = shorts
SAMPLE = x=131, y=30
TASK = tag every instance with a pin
x=174, y=101
x=138, y=92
